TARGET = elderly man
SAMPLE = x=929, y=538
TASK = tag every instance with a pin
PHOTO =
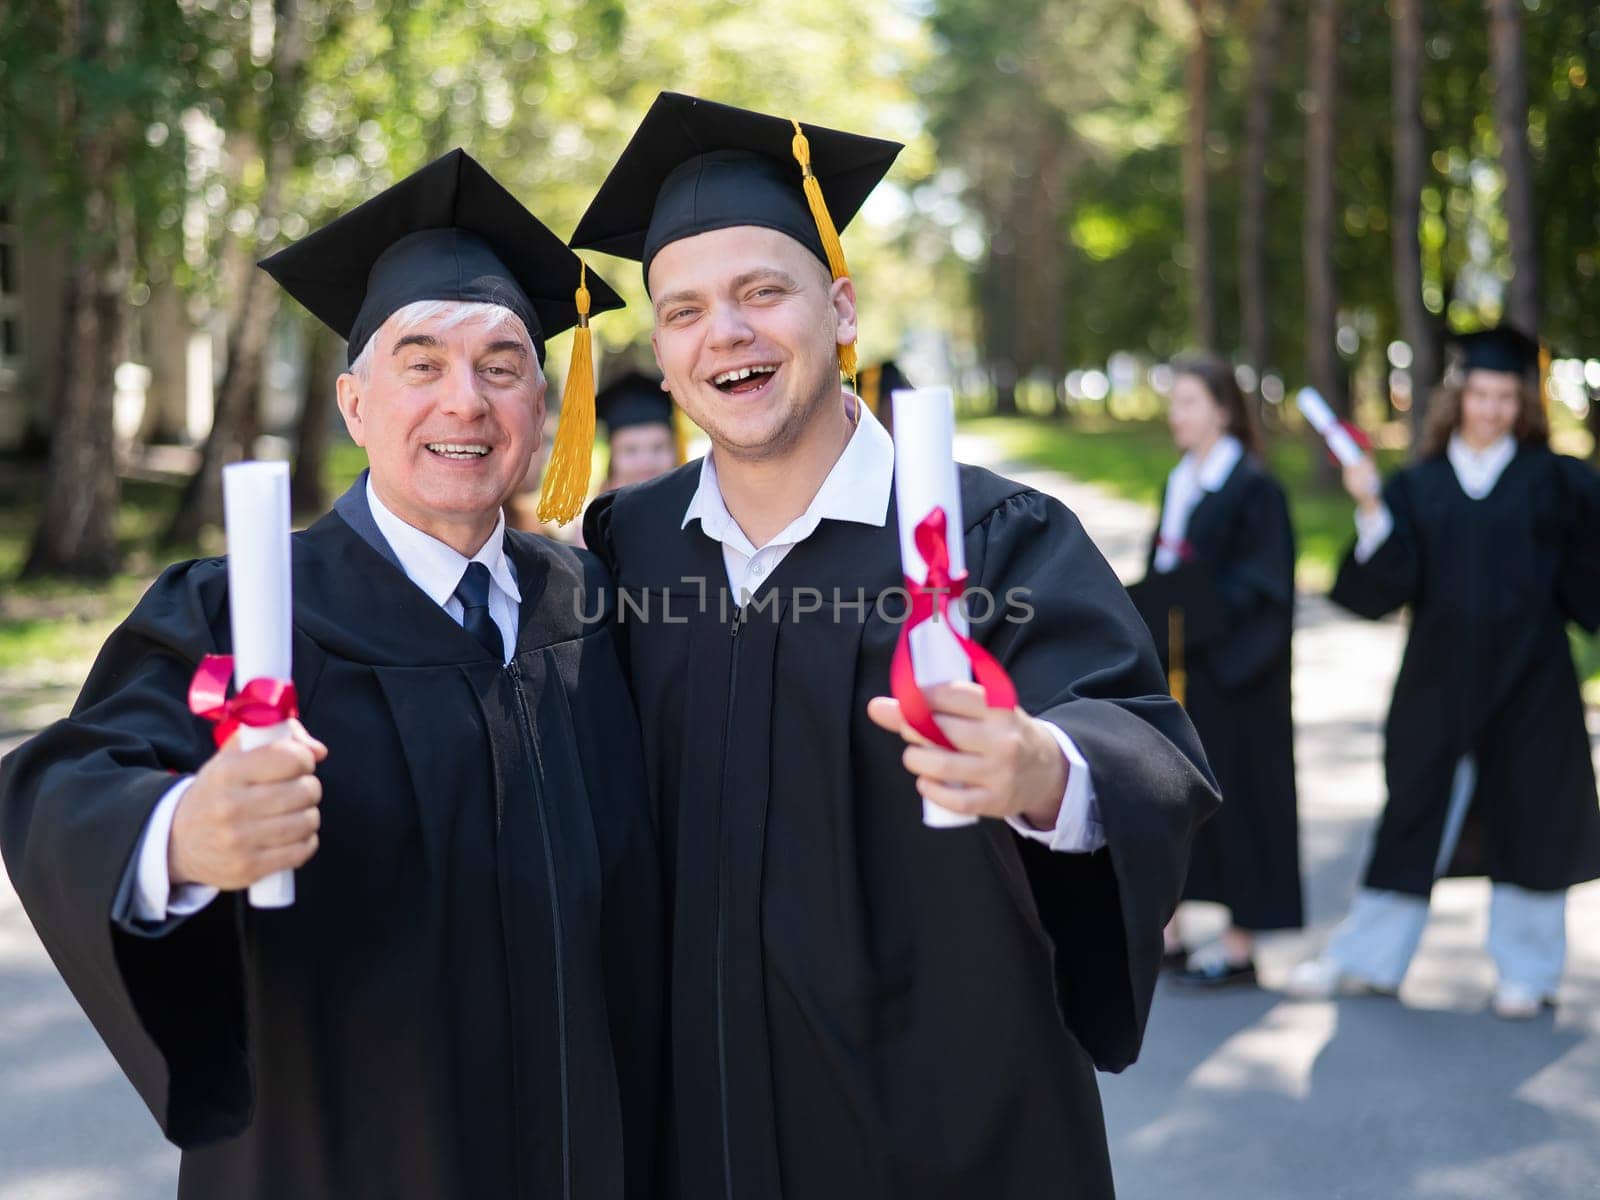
x=863, y=1006
x=463, y=999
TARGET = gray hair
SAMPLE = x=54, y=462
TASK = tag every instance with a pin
x=451, y=315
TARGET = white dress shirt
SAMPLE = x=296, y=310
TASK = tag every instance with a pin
x=436, y=569
x=1477, y=471
x=1187, y=485
x=858, y=489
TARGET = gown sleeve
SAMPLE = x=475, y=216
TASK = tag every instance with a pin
x=1082, y=660
x=597, y=540
x=74, y=800
x=1578, y=578
x=1256, y=586
x=1389, y=579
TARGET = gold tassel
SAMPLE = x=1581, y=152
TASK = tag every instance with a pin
x=566, y=476
x=1544, y=377
x=871, y=385
x=831, y=245
x=681, y=426
x=1177, y=677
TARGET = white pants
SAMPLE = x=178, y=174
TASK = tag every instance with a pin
x=1527, y=930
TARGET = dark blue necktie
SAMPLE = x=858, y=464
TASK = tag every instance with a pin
x=473, y=592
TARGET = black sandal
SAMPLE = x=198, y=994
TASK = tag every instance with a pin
x=1218, y=973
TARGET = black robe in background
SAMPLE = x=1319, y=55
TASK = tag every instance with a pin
x=1248, y=856
x=1487, y=671
x=464, y=999
x=863, y=1007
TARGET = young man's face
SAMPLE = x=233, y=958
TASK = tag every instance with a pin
x=747, y=330
x=449, y=419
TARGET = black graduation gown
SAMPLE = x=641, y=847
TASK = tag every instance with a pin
x=1248, y=856
x=862, y=1006
x=463, y=1000
x=1487, y=671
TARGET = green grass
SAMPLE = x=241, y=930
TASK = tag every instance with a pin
x=50, y=629
x=1132, y=459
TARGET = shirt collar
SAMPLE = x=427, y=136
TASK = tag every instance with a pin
x=1209, y=474
x=435, y=567
x=1220, y=462
x=856, y=489
x=1479, y=470
x=1498, y=451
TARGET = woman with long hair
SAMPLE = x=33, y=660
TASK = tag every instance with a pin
x=1493, y=542
x=1219, y=598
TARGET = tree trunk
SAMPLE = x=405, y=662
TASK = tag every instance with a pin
x=77, y=533
x=1516, y=160
x=1049, y=298
x=308, y=493
x=1196, y=186
x=1417, y=326
x=1322, y=298
x=999, y=288
x=1254, y=286
x=235, y=419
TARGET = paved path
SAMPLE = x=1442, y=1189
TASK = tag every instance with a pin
x=1237, y=1097
x=1248, y=1096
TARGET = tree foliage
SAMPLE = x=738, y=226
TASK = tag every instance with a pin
x=1034, y=224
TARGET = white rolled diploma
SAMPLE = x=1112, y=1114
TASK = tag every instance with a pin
x=255, y=507
x=925, y=478
x=1316, y=411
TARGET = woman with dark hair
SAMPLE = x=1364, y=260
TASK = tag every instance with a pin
x=1493, y=541
x=1219, y=598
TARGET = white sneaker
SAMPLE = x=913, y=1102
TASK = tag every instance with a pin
x=1314, y=979
x=1321, y=978
x=1514, y=1002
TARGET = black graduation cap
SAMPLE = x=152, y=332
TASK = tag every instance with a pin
x=447, y=232
x=1503, y=348
x=695, y=165
x=1188, y=589
x=633, y=399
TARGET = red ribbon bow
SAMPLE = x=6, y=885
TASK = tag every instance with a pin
x=1181, y=547
x=1357, y=434
x=931, y=600
x=260, y=703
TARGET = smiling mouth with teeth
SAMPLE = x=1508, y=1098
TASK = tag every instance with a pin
x=461, y=451
x=744, y=379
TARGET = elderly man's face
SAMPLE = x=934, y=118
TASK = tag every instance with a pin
x=450, y=418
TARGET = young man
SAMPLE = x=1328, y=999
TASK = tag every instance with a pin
x=863, y=1006
x=463, y=999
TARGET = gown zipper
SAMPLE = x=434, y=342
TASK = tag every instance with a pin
x=722, y=1028
x=525, y=727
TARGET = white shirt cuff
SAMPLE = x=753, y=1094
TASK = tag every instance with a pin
x=1078, y=829
x=1372, y=532
x=154, y=897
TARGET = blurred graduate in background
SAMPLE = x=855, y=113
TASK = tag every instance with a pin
x=1219, y=599
x=1493, y=541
